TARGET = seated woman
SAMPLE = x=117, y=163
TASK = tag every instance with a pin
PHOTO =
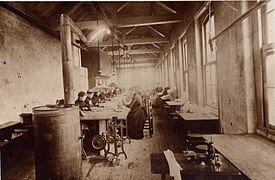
x=136, y=117
x=165, y=91
x=96, y=99
x=102, y=97
x=81, y=101
x=89, y=97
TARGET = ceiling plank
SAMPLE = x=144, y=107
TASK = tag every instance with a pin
x=156, y=31
x=134, y=21
x=142, y=51
x=166, y=7
x=129, y=42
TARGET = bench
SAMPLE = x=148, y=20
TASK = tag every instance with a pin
x=7, y=132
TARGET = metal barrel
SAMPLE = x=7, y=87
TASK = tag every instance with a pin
x=57, y=143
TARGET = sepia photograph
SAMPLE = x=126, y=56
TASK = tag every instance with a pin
x=137, y=90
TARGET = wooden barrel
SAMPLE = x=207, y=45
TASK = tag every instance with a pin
x=57, y=143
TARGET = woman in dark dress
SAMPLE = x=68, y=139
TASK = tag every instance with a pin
x=136, y=117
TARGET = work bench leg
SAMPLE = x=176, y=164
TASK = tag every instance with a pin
x=163, y=176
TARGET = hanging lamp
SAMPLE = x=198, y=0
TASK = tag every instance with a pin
x=113, y=57
x=98, y=51
x=118, y=70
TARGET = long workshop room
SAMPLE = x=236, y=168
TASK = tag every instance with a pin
x=137, y=90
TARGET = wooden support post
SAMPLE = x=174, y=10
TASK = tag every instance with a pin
x=181, y=57
x=199, y=63
x=67, y=59
x=248, y=70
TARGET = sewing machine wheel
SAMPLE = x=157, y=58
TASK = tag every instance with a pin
x=98, y=142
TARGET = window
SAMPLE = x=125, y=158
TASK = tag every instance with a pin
x=166, y=61
x=171, y=69
x=174, y=71
x=209, y=61
x=185, y=68
x=268, y=55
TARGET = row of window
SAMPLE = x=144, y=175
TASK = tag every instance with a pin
x=179, y=79
x=266, y=18
x=177, y=67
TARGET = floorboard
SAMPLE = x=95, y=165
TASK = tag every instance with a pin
x=135, y=167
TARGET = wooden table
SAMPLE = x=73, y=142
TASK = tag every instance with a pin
x=159, y=165
x=199, y=123
x=6, y=130
x=253, y=154
x=164, y=98
x=175, y=103
x=103, y=115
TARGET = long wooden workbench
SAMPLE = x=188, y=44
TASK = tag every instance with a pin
x=253, y=154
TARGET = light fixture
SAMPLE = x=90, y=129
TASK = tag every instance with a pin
x=113, y=57
x=98, y=34
x=99, y=72
x=98, y=49
x=108, y=31
x=118, y=69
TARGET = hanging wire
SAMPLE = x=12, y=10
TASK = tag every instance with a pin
x=124, y=59
x=209, y=16
x=211, y=42
x=118, y=72
x=113, y=69
x=98, y=52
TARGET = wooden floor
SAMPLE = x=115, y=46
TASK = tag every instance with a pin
x=136, y=166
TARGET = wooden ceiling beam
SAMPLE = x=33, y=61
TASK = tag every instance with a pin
x=166, y=7
x=142, y=57
x=73, y=9
x=156, y=31
x=121, y=7
x=134, y=21
x=154, y=44
x=134, y=65
x=144, y=60
x=143, y=51
x=130, y=42
x=145, y=41
x=128, y=32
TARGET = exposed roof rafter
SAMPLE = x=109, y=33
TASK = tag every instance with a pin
x=166, y=7
x=156, y=31
x=139, y=51
x=128, y=32
x=155, y=45
x=121, y=7
x=134, y=21
x=130, y=42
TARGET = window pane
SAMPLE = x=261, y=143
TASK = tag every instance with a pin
x=271, y=22
x=270, y=83
x=185, y=69
x=210, y=74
